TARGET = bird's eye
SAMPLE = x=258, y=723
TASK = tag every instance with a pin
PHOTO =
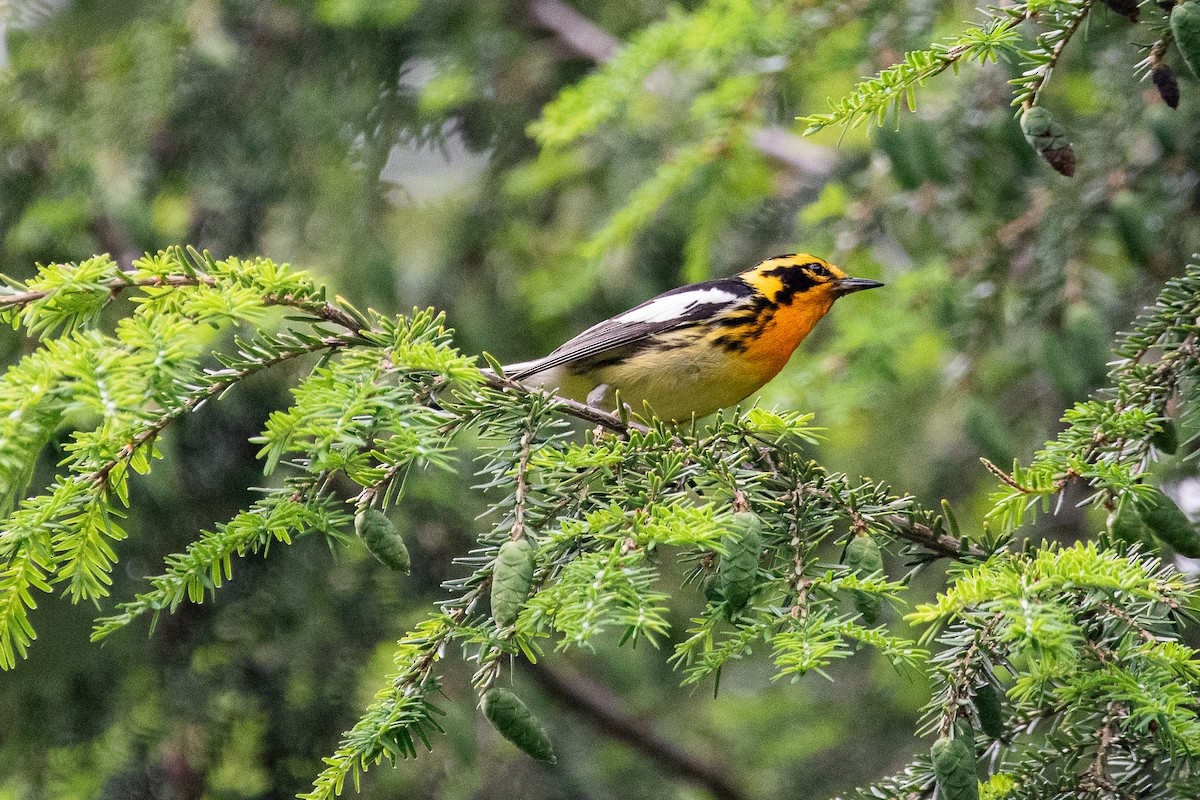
x=820, y=270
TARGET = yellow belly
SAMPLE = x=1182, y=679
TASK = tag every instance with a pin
x=675, y=388
x=678, y=383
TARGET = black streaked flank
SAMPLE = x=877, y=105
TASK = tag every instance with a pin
x=617, y=338
x=745, y=316
x=750, y=324
x=622, y=354
x=732, y=344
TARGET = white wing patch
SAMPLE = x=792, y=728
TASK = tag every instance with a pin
x=673, y=306
x=667, y=312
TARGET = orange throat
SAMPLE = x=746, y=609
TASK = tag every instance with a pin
x=783, y=332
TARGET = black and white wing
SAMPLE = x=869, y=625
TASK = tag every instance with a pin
x=671, y=310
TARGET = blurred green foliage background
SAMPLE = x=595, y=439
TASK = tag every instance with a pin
x=398, y=150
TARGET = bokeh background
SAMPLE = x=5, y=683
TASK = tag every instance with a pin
x=398, y=150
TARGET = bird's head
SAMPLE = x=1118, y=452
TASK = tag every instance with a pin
x=783, y=279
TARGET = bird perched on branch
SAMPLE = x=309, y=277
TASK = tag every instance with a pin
x=698, y=348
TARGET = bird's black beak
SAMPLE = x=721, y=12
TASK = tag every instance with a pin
x=848, y=285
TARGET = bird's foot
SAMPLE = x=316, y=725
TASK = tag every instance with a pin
x=596, y=397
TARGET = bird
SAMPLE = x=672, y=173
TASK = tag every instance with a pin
x=693, y=350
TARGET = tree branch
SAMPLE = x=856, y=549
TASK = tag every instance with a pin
x=573, y=408
x=583, y=37
x=321, y=310
x=941, y=543
x=115, y=287
x=1034, y=87
x=518, y=526
x=601, y=709
x=196, y=398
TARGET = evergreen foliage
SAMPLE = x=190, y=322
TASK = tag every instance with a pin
x=595, y=176
x=1083, y=638
x=1055, y=22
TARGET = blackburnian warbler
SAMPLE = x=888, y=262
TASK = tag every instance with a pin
x=698, y=348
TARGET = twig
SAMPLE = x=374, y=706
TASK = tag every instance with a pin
x=1095, y=778
x=115, y=287
x=941, y=543
x=1004, y=477
x=959, y=683
x=1034, y=87
x=230, y=377
x=1128, y=619
x=575, y=30
x=575, y=409
x=799, y=583
x=518, y=526
x=321, y=310
x=368, y=494
x=324, y=311
x=599, y=707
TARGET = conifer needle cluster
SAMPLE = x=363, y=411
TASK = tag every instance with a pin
x=1064, y=662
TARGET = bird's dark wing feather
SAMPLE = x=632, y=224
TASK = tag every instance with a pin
x=671, y=310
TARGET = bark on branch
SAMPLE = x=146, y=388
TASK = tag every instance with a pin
x=601, y=709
